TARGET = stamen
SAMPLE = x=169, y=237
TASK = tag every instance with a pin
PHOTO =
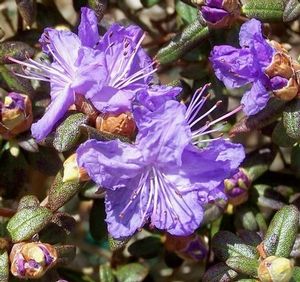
x=206, y=114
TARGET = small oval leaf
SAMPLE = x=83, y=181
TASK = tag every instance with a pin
x=132, y=272
x=27, y=222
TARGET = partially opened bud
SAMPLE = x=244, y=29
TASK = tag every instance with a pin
x=16, y=115
x=236, y=188
x=122, y=124
x=275, y=269
x=219, y=13
x=187, y=247
x=32, y=260
x=73, y=173
x=282, y=73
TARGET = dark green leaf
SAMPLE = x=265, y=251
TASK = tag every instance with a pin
x=99, y=6
x=29, y=201
x=226, y=244
x=192, y=35
x=282, y=231
x=243, y=265
x=219, y=273
x=67, y=134
x=27, y=222
x=264, y=10
x=280, y=137
x=295, y=159
x=146, y=248
x=291, y=119
x=131, y=272
x=15, y=49
x=296, y=274
x=186, y=12
x=115, y=244
x=61, y=192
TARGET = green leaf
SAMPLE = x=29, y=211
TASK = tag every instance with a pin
x=28, y=201
x=186, y=12
x=15, y=49
x=131, y=272
x=282, y=232
x=106, y=273
x=291, y=11
x=4, y=266
x=99, y=6
x=27, y=222
x=60, y=192
x=91, y=191
x=264, y=10
x=291, y=119
x=296, y=274
x=14, y=82
x=146, y=248
x=280, y=137
x=243, y=265
x=191, y=36
x=219, y=273
x=226, y=244
x=68, y=132
x=149, y=3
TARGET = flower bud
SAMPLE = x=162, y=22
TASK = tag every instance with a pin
x=16, y=115
x=32, y=260
x=72, y=173
x=275, y=269
x=236, y=188
x=282, y=73
x=122, y=124
x=219, y=13
x=189, y=247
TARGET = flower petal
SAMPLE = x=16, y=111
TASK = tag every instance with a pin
x=156, y=95
x=255, y=99
x=125, y=212
x=55, y=111
x=164, y=133
x=251, y=37
x=110, y=164
x=88, y=28
x=64, y=45
x=235, y=67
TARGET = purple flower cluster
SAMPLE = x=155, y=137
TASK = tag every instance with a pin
x=161, y=178
x=237, y=67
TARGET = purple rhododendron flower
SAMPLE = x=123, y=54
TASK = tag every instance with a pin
x=237, y=67
x=162, y=178
x=108, y=70
x=213, y=11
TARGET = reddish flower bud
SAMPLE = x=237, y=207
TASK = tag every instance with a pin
x=122, y=124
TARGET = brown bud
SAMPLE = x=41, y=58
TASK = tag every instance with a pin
x=72, y=173
x=32, y=260
x=288, y=92
x=122, y=124
x=16, y=115
x=281, y=65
